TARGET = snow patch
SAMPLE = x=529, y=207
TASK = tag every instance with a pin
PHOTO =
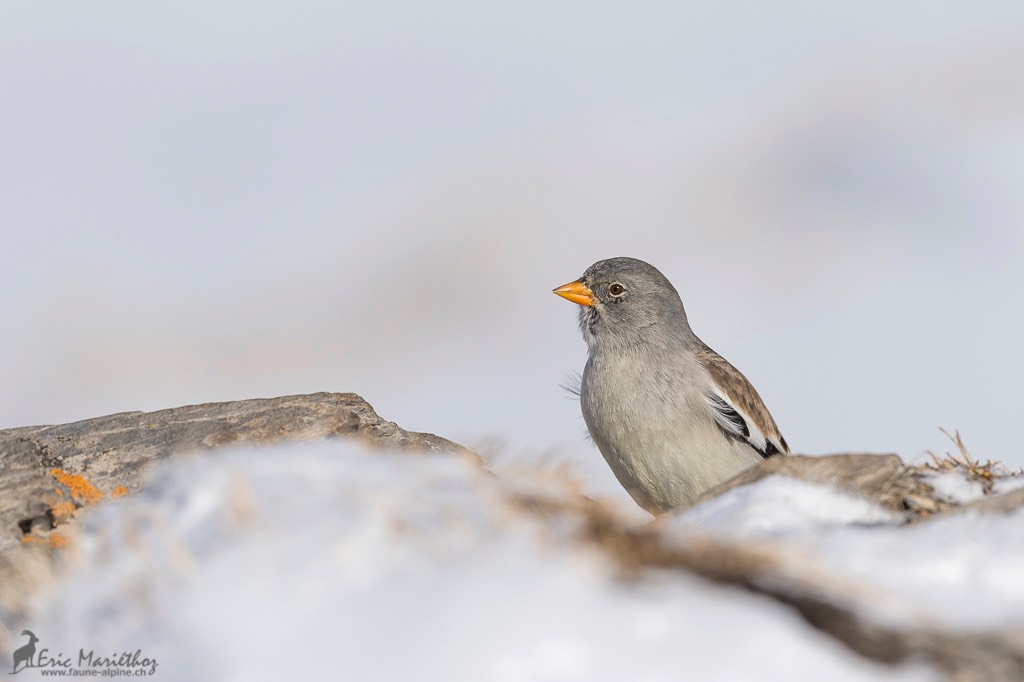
x=954, y=487
x=963, y=570
x=778, y=506
x=1007, y=484
x=326, y=561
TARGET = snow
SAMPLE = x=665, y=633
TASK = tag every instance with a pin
x=1008, y=484
x=961, y=570
x=781, y=506
x=327, y=561
x=951, y=486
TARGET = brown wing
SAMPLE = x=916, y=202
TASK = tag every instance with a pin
x=737, y=407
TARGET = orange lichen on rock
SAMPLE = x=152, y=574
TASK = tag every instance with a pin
x=62, y=511
x=58, y=541
x=73, y=491
x=53, y=540
x=81, y=490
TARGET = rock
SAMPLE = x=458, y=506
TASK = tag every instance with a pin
x=51, y=471
x=115, y=451
x=882, y=478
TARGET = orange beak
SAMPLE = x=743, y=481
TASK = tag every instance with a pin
x=577, y=292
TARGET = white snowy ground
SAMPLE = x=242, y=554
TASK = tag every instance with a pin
x=326, y=561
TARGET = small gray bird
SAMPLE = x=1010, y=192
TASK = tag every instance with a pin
x=672, y=418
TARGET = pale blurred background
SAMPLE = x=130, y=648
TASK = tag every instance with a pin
x=209, y=201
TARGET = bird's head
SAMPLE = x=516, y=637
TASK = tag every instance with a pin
x=626, y=302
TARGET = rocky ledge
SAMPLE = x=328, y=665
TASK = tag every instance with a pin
x=52, y=473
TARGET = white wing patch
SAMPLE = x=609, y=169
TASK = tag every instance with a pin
x=734, y=420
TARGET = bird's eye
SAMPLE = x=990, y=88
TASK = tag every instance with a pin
x=616, y=289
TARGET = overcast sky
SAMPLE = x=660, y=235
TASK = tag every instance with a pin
x=223, y=200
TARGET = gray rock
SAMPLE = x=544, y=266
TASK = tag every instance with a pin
x=881, y=478
x=117, y=451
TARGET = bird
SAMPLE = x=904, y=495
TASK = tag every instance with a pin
x=672, y=417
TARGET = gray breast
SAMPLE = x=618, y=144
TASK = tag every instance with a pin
x=656, y=433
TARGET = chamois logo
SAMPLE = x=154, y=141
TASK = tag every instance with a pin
x=24, y=654
x=89, y=663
